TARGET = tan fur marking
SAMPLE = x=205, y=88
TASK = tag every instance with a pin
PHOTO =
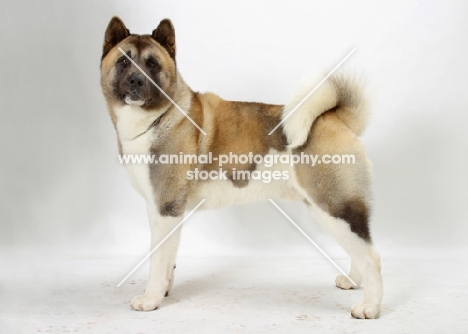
x=336, y=187
x=240, y=128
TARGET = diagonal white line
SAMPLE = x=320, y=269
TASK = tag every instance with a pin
x=312, y=91
x=312, y=241
x=164, y=93
x=161, y=242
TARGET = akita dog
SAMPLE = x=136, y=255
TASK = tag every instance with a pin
x=156, y=113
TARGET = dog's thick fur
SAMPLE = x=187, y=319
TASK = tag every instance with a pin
x=328, y=122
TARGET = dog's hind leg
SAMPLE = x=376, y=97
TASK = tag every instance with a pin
x=170, y=277
x=338, y=195
x=365, y=263
x=343, y=282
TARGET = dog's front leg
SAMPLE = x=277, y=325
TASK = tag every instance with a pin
x=161, y=261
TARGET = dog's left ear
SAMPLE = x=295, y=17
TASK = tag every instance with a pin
x=164, y=34
x=115, y=33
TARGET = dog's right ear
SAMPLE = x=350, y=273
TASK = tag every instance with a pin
x=164, y=34
x=115, y=33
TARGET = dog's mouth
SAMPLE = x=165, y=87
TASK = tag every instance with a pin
x=134, y=99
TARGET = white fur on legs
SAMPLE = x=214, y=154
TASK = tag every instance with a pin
x=365, y=260
x=170, y=277
x=161, y=261
x=369, y=266
x=343, y=283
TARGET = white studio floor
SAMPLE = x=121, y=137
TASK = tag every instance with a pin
x=229, y=295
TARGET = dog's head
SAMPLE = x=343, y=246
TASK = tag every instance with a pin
x=122, y=79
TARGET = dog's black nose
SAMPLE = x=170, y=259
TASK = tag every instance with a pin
x=136, y=80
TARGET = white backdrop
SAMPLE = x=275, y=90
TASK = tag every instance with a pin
x=62, y=189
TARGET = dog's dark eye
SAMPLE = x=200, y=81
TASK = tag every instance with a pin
x=123, y=61
x=152, y=63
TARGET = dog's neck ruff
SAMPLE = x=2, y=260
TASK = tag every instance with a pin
x=155, y=122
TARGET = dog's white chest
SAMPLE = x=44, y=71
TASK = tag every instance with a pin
x=132, y=122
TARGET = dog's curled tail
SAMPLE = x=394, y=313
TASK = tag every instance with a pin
x=341, y=93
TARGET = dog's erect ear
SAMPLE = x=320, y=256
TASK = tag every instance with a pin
x=115, y=33
x=164, y=34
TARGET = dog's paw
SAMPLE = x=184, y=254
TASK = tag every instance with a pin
x=343, y=283
x=144, y=303
x=365, y=311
